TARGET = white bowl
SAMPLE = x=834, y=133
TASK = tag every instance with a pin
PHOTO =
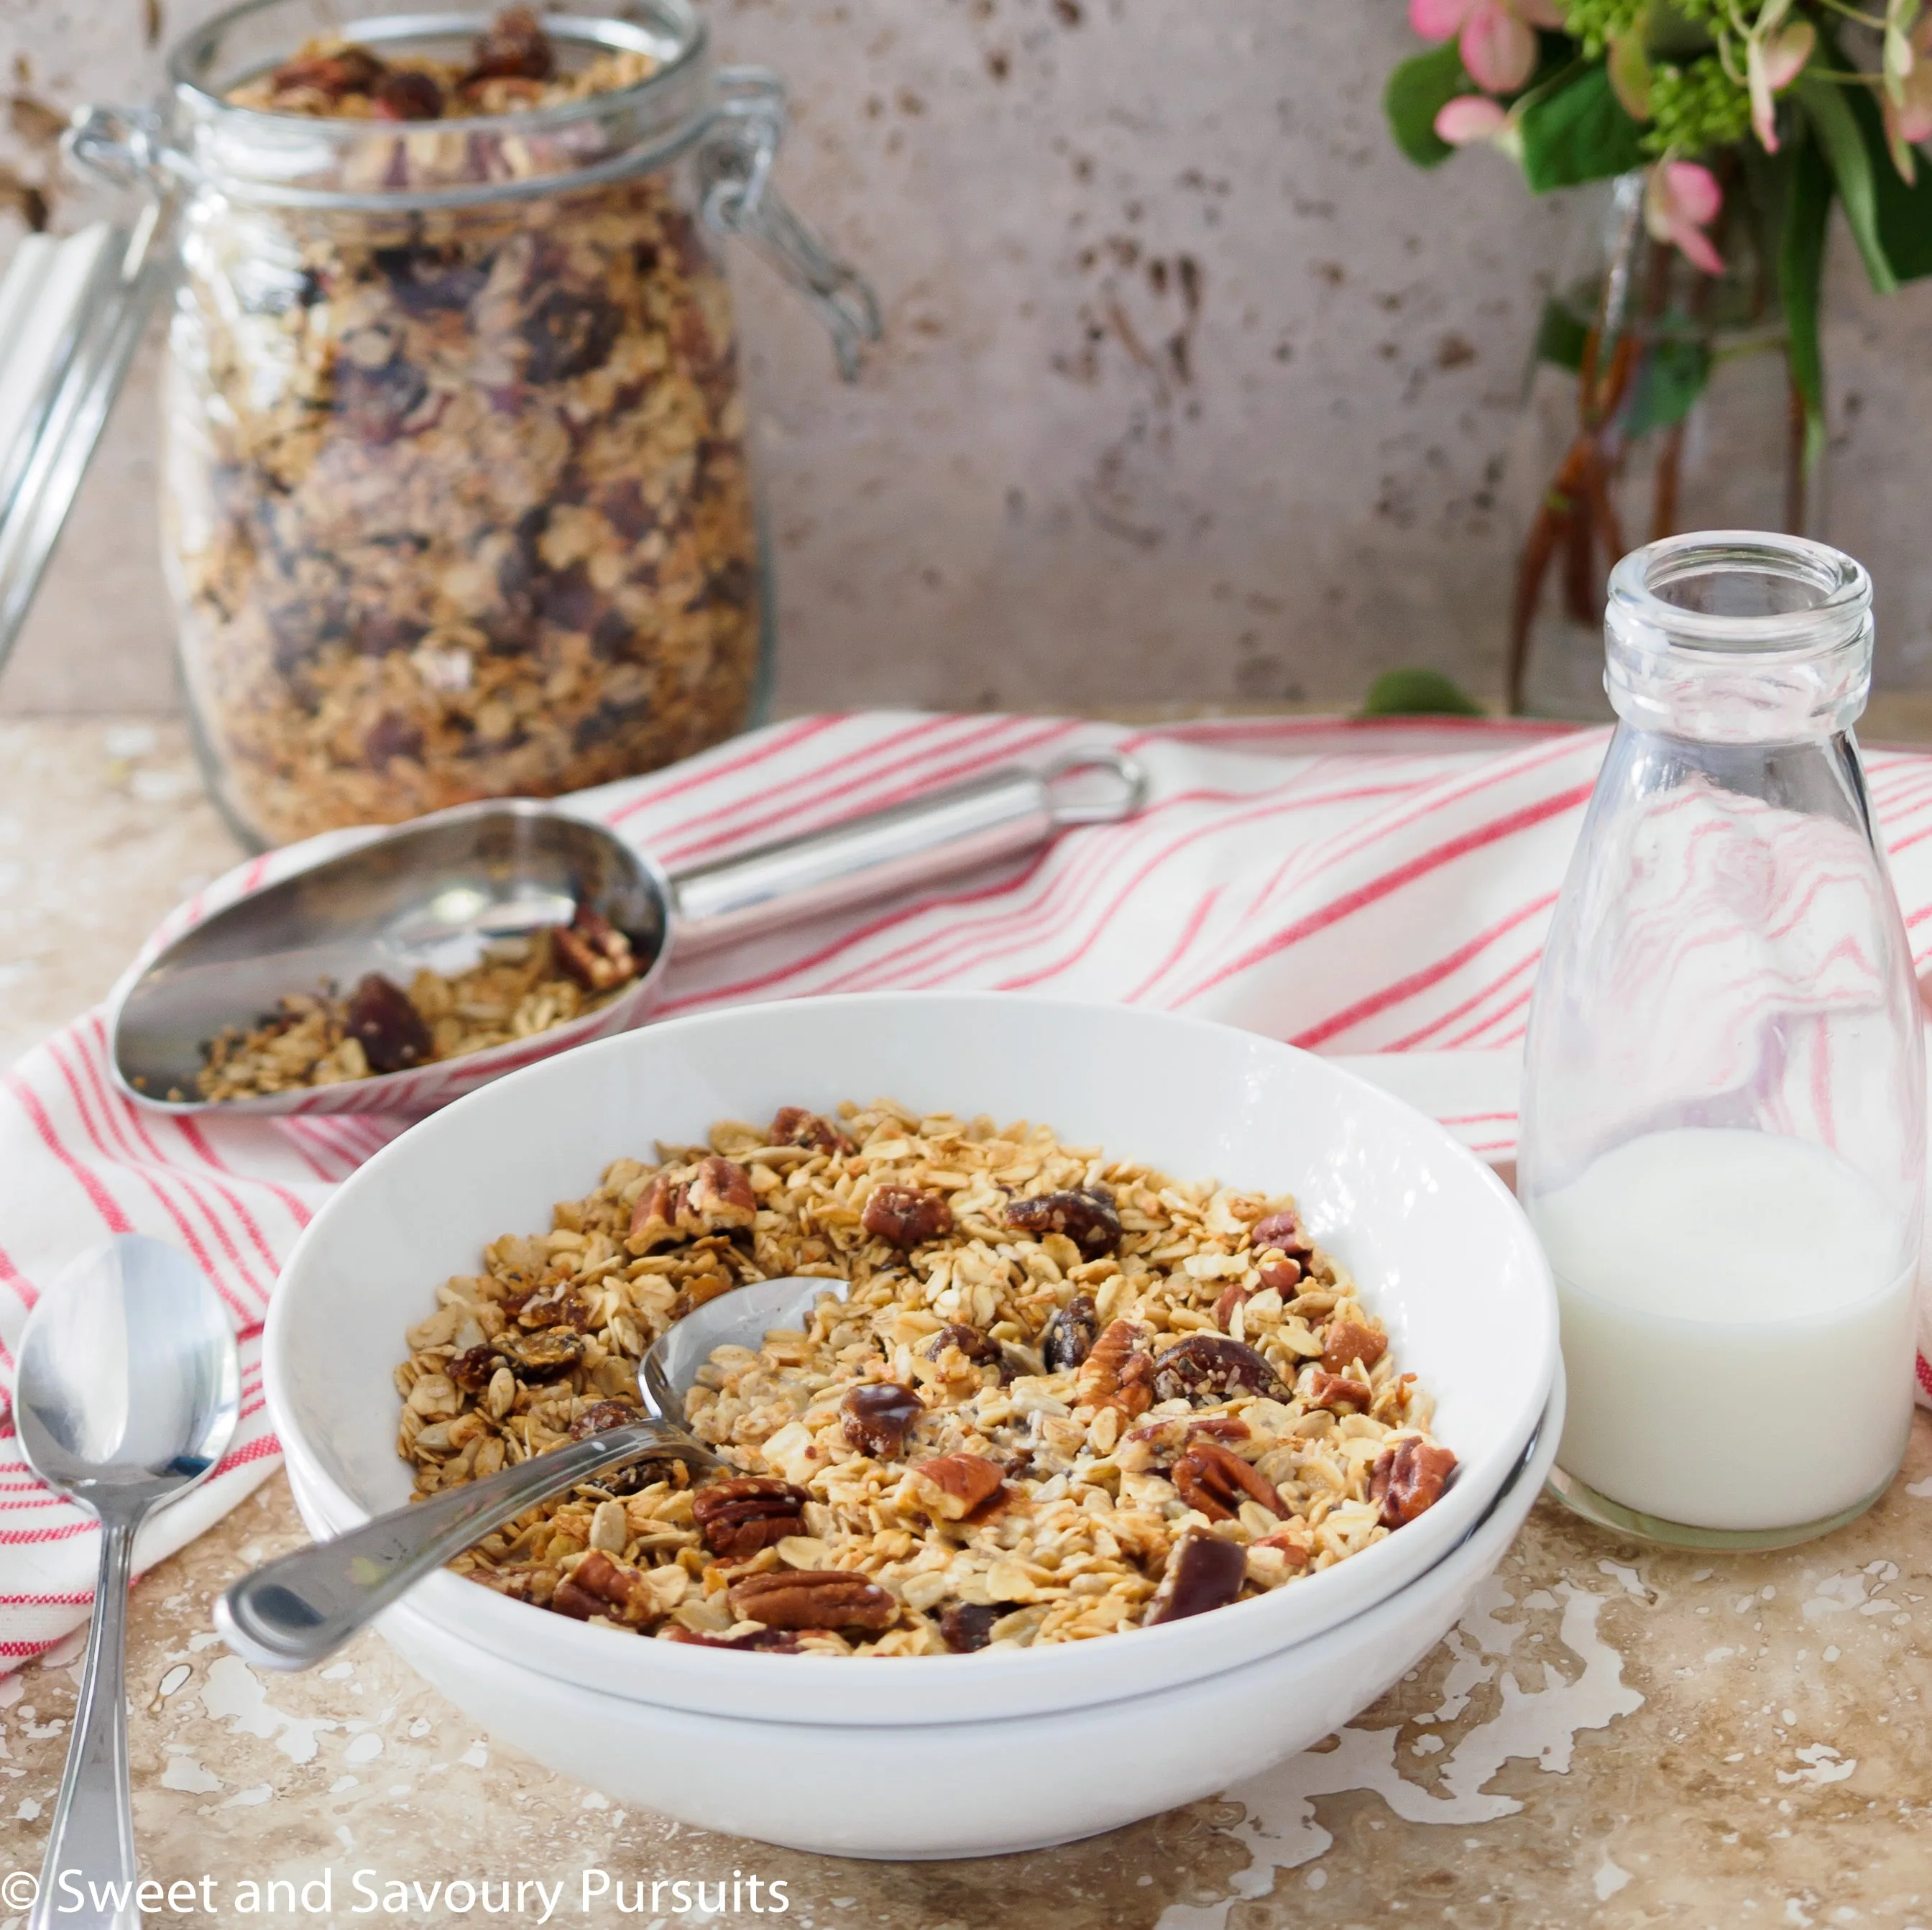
x=966, y=1788
x=1440, y=1248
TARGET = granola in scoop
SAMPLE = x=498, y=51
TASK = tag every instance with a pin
x=458, y=498
x=1067, y=1395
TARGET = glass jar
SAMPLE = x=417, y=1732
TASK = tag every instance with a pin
x=456, y=492
x=1723, y=1138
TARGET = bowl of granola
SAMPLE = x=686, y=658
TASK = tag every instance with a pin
x=1159, y=1352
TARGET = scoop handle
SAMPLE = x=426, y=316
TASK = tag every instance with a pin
x=997, y=815
x=291, y=1613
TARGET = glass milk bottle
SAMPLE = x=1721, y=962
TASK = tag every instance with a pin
x=1724, y=1104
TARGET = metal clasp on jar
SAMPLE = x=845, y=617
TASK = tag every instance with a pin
x=734, y=163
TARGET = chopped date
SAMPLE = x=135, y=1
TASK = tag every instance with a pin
x=569, y=334
x=601, y=1416
x=1205, y=1369
x=878, y=1416
x=907, y=1216
x=824, y=1599
x=1069, y=1337
x=390, y=1030
x=1087, y=1217
x=740, y=1516
x=407, y=94
x=982, y=1349
x=1204, y=1572
x=964, y=1626
x=1409, y=1478
x=515, y=47
x=472, y=1368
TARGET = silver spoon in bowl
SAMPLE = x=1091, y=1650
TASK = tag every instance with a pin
x=292, y=1612
x=126, y=1396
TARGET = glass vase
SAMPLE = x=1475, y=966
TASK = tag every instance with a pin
x=1722, y=1115
x=1658, y=399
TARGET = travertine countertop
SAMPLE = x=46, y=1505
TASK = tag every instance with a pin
x=1615, y=1738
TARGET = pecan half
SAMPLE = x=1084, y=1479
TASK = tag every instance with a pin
x=739, y=1517
x=545, y=1354
x=598, y=1585
x=878, y=1415
x=1409, y=1478
x=1203, y=1572
x=390, y=1030
x=1087, y=1217
x=950, y=1487
x=1284, y=1232
x=827, y=1598
x=906, y=1216
x=656, y=1216
x=1349, y=1340
x=593, y=951
x=1233, y=1295
x=1209, y=1477
x=1337, y=1391
x=721, y=1195
x=1205, y=1369
x=795, y=1127
x=1119, y=1373
x=1068, y=1338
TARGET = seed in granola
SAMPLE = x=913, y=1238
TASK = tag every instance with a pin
x=907, y=1216
x=389, y=1029
x=1285, y=1233
x=1208, y=1477
x=738, y=1517
x=515, y=47
x=1348, y=1341
x=594, y=952
x=879, y=1415
x=826, y=1598
x=407, y=94
x=1086, y=1217
x=1205, y=1369
x=1408, y=1479
x=1069, y=1337
x=967, y=1626
x=546, y=1353
x=795, y=1127
x=1204, y=1572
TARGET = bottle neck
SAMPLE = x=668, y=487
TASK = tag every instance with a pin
x=1736, y=637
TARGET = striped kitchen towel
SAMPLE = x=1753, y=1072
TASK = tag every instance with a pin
x=1357, y=889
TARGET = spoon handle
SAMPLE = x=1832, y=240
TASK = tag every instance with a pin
x=292, y=1612
x=88, y=1880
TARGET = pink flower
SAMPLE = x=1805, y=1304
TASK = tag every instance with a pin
x=1771, y=64
x=1681, y=200
x=1908, y=100
x=1496, y=38
x=1470, y=117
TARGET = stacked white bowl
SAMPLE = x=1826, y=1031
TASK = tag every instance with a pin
x=941, y=1756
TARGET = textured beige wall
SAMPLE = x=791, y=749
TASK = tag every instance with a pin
x=1194, y=391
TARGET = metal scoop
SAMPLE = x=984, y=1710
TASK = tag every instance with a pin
x=433, y=893
x=291, y=1613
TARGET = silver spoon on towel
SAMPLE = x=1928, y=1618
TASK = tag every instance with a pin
x=291, y=1613
x=125, y=1396
x=433, y=893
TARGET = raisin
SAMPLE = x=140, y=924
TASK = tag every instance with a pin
x=514, y=47
x=982, y=1349
x=1204, y=1572
x=906, y=1216
x=1205, y=1369
x=879, y=1415
x=378, y=404
x=967, y=1625
x=601, y=1416
x=392, y=737
x=1069, y=1337
x=425, y=280
x=1087, y=1217
x=471, y=1370
x=569, y=334
x=407, y=94
x=389, y=1029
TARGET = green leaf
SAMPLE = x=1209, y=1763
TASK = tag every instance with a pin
x=1904, y=209
x=1842, y=142
x=1579, y=132
x=1672, y=377
x=1418, y=90
x=1416, y=692
x=1800, y=269
x=1561, y=336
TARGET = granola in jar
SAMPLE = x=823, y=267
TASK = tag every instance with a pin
x=456, y=479
x=1067, y=1396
